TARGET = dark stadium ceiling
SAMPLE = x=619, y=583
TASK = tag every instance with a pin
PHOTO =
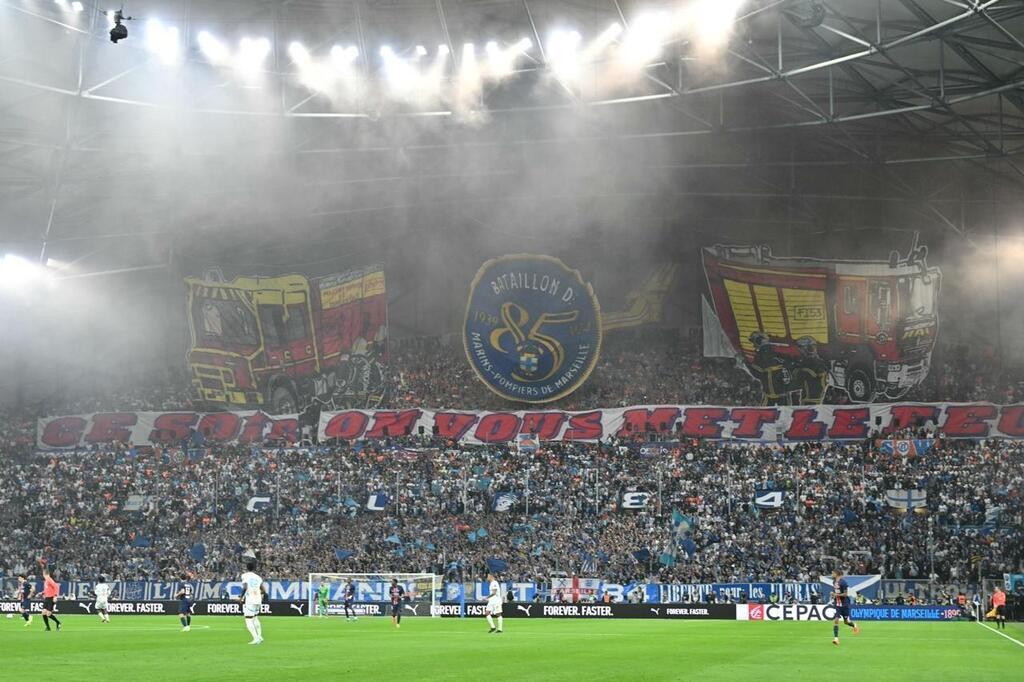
x=817, y=117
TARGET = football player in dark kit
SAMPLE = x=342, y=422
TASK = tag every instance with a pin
x=350, y=597
x=185, y=604
x=397, y=592
x=25, y=592
x=841, y=600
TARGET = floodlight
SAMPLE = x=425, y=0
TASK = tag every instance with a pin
x=251, y=53
x=343, y=56
x=162, y=41
x=214, y=50
x=523, y=45
x=298, y=53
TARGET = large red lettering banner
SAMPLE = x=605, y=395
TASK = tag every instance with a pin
x=162, y=428
x=825, y=422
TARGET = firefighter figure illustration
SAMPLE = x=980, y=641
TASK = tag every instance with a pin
x=810, y=372
x=769, y=370
x=800, y=380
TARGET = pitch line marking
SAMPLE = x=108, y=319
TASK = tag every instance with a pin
x=128, y=629
x=1001, y=634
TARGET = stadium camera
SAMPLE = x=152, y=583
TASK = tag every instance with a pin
x=119, y=30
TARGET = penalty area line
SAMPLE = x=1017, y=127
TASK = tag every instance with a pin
x=1001, y=634
x=123, y=628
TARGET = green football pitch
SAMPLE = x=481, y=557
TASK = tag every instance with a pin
x=153, y=648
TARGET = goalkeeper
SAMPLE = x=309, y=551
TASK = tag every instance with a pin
x=321, y=599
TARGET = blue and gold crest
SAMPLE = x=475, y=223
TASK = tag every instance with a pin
x=533, y=328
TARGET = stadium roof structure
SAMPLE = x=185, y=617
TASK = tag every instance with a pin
x=812, y=117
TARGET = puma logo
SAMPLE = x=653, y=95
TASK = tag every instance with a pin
x=87, y=607
x=525, y=609
x=297, y=607
x=412, y=607
x=656, y=612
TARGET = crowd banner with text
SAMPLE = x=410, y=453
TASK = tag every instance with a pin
x=559, y=589
x=754, y=424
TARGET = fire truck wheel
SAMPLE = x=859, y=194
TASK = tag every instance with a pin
x=282, y=401
x=860, y=386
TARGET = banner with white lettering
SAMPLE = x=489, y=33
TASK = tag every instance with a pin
x=827, y=612
x=772, y=424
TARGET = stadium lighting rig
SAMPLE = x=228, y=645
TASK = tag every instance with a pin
x=623, y=51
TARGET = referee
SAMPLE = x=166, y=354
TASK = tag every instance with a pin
x=999, y=604
x=50, y=592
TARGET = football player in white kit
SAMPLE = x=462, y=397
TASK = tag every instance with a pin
x=493, y=607
x=253, y=591
x=102, y=592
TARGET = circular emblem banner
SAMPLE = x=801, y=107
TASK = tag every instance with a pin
x=533, y=328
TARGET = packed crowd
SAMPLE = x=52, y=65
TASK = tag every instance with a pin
x=634, y=369
x=448, y=509
x=663, y=368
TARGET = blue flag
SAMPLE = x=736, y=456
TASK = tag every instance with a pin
x=377, y=502
x=197, y=552
x=497, y=565
x=342, y=554
x=642, y=555
x=393, y=539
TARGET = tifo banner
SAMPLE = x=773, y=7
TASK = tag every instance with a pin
x=183, y=429
x=811, y=330
x=533, y=328
x=278, y=343
x=763, y=424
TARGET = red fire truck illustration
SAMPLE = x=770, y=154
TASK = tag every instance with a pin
x=802, y=325
x=279, y=343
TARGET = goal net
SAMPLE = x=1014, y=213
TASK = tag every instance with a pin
x=372, y=593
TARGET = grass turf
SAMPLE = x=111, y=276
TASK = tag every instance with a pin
x=152, y=648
